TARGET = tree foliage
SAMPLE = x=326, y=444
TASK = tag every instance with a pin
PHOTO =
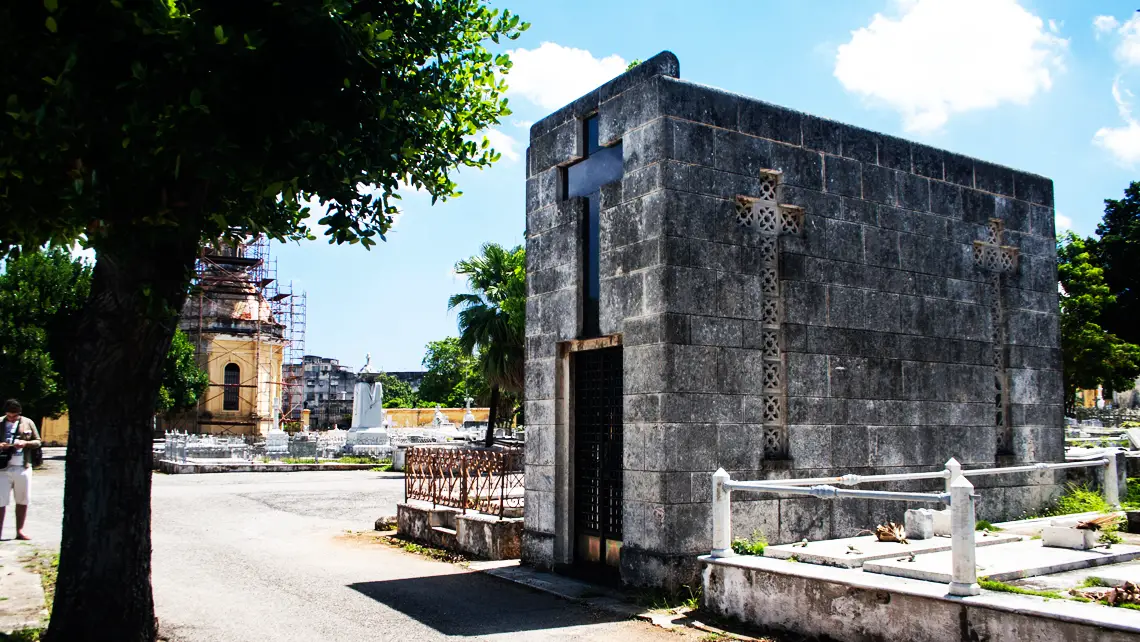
x=1117, y=251
x=492, y=316
x=41, y=294
x=145, y=127
x=397, y=393
x=183, y=382
x=1092, y=356
x=492, y=319
x=451, y=376
x=117, y=109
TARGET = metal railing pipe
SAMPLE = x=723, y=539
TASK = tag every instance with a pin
x=1028, y=468
x=852, y=480
x=831, y=492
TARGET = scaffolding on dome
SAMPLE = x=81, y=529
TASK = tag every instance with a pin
x=235, y=295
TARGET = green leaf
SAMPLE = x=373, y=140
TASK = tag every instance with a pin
x=17, y=173
x=384, y=35
x=51, y=5
x=126, y=141
x=49, y=80
x=195, y=97
x=347, y=83
x=50, y=24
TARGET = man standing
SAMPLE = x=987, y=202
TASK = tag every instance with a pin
x=19, y=438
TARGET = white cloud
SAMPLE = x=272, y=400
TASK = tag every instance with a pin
x=1104, y=24
x=522, y=124
x=503, y=144
x=942, y=57
x=1128, y=51
x=1122, y=142
x=552, y=75
x=1063, y=223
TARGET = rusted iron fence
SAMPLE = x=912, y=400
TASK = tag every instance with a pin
x=487, y=481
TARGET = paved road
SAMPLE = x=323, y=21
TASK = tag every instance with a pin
x=264, y=557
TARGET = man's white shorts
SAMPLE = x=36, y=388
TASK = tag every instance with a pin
x=15, y=480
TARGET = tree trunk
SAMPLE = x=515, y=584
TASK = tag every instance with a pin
x=492, y=416
x=104, y=586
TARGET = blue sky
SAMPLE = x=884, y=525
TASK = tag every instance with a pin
x=1042, y=86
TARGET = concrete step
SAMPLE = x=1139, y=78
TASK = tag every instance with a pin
x=443, y=530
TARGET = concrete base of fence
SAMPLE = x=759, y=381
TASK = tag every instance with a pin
x=475, y=535
x=182, y=468
x=848, y=605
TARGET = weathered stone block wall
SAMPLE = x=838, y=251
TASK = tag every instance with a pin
x=881, y=356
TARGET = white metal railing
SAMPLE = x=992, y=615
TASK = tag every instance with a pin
x=959, y=495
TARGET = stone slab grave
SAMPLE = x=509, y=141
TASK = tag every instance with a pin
x=1009, y=561
x=853, y=552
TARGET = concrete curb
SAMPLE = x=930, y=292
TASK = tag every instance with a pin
x=579, y=592
x=183, y=468
x=22, y=605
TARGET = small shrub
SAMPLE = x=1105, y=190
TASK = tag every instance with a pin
x=1078, y=499
x=983, y=525
x=693, y=602
x=1131, y=497
x=1109, y=537
x=753, y=545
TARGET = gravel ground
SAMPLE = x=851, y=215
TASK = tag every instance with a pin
x=266, y=557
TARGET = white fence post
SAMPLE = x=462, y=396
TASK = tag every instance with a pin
x=1112, y=480
x=964, y=578
x=722, y=515
x=955, y=471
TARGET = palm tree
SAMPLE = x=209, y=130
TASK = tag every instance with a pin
x=492, y=319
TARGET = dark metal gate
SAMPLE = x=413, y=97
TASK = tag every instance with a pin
x=597, y=456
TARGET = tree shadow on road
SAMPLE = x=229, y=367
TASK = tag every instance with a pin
x=470, y=604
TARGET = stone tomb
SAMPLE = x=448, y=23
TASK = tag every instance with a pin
x=715, y=281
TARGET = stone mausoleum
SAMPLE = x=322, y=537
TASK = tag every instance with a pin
x=715, y=281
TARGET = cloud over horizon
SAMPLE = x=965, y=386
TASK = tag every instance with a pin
x=938, y=58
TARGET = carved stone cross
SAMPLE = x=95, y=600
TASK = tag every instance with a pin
x=765, y=214
x=998, y=260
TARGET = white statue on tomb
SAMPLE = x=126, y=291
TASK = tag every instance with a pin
x=468, y=415
x=440, y=419
x=368, y=399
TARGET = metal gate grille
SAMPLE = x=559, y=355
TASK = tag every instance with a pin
x=598, y=445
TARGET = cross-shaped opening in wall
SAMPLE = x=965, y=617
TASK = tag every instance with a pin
x=598, y=166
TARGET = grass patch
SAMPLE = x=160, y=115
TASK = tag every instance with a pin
x=47, y=565
x=753, y=545
x=1129, y=605
x=427, y=551
x=991, y=585
x=362, y=459
x=298, y=460
x=983, y=525
x=23, y=635
x=688, y=599
x=1093, y=582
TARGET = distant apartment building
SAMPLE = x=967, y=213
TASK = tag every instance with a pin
x=326, y=387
